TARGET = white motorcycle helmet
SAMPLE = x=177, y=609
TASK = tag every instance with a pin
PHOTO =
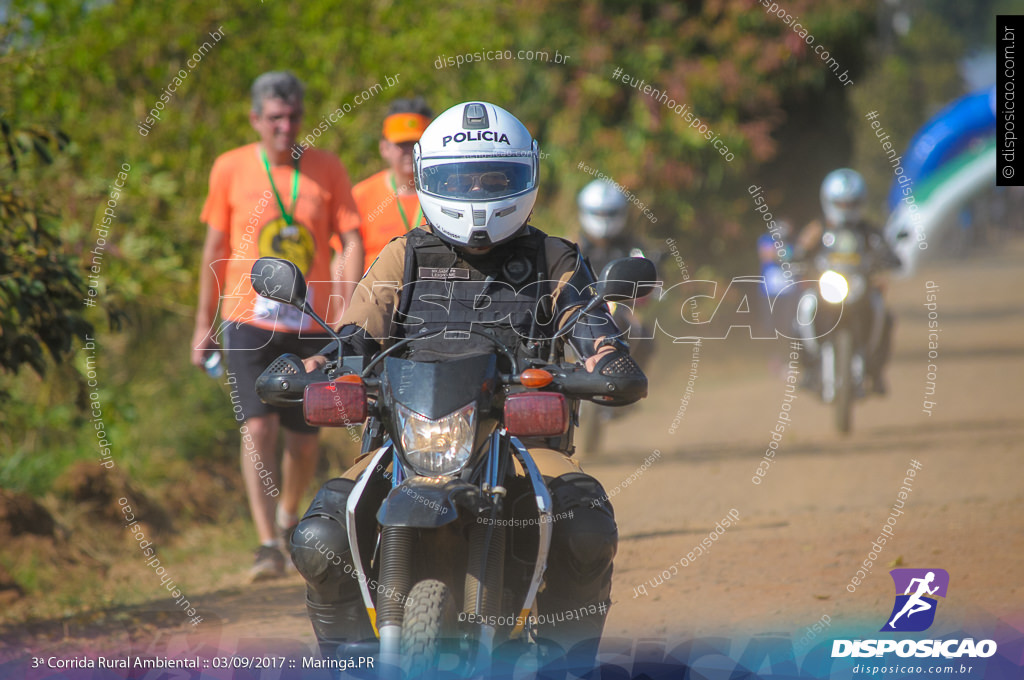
x=603, y=209
x=476, y=169
x=842, y=197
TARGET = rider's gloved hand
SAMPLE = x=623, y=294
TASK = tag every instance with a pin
x=612, y=360
x=315, y=362
x=602, y=352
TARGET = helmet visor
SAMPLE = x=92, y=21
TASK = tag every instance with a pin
x=475, y=180
x=846, y=204
x=605, y=212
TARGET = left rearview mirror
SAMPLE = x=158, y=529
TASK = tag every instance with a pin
x=279, y=280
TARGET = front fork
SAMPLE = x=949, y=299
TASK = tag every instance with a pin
x=485, y=573
x=825, y=351
x=829, y=370
x=491, y=544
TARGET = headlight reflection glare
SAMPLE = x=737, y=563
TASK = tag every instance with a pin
x=833, y=287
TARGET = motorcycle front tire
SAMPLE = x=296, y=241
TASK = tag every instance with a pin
x=429, y=621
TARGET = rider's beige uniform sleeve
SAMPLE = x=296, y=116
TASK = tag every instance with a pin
x=562, y=261
x=376, y=296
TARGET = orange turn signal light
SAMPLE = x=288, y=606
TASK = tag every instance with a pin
x=352, y=378
x=535, y=377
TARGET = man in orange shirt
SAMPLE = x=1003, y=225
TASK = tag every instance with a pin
x=264, y=202
x=387, y=202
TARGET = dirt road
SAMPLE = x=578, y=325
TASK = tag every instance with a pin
x=804, y=531
x=808, y=526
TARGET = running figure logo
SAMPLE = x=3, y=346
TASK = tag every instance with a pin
x=914, y=610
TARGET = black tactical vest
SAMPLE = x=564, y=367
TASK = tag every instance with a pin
x=447, y=292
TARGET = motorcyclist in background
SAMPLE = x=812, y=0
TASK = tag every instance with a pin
x=843, y=195
x=603, y=213
x=476, y=172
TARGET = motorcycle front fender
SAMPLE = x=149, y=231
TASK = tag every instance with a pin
x=429, y=502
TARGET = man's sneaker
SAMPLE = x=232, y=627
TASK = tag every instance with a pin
x=269, y=564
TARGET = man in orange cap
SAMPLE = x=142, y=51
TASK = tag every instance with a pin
x=387, y=201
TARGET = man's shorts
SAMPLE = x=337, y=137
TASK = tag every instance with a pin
x=249, y=350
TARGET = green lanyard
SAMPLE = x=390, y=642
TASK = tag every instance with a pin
x=401, y=210
x=295, y=187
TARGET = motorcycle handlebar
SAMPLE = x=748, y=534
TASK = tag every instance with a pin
x=577, y=382
x=283, y=382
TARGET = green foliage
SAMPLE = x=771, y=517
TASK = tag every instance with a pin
x=41, y=289
x=734, y=66
x=98, y=70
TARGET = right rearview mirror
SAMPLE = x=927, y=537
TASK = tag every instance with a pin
x=627, y=278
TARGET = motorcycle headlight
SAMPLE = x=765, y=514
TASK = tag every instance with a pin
x=833, y=286
x=437, y=447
